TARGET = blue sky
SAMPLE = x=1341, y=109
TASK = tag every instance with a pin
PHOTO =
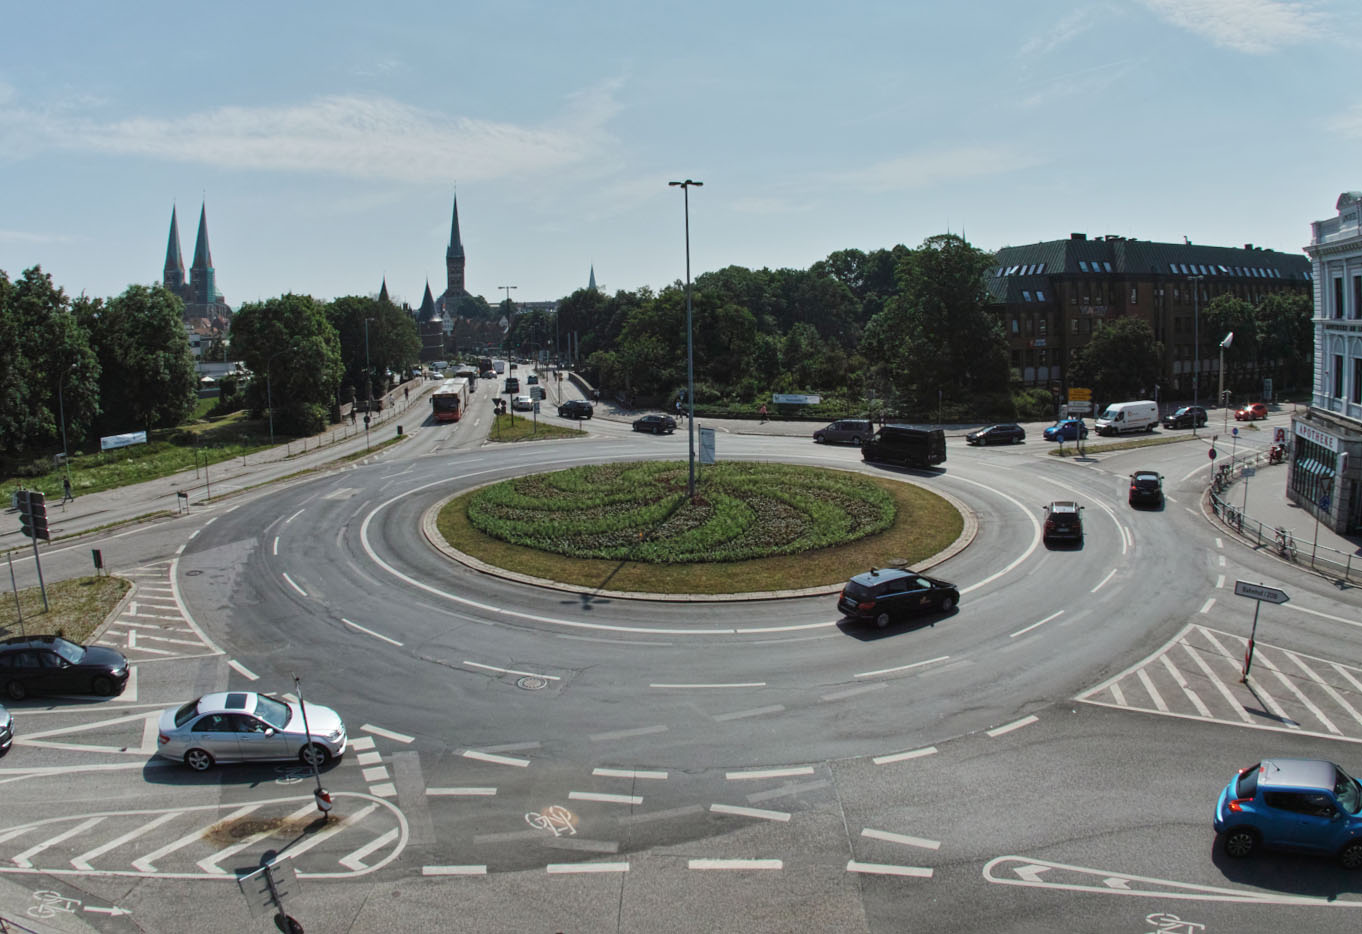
x=328, y=139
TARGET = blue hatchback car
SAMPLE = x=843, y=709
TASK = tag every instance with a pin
x=1069, y=429
x=1298, y=804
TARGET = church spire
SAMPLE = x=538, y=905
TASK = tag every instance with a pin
x=427, y=310
x=383, y=292
x=591, y=282
x=173, y=277
x=203, y=259
x=455, y=243
x=454, y=265
x=201, y=275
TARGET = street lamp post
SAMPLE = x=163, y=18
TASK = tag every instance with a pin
x=61, y=408
x=690, y=348
x=368, y=384
x=1196, y=339
x=1220, y=397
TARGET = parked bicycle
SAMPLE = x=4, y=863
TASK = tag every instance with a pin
x=1286, y=543
x=1233, y=517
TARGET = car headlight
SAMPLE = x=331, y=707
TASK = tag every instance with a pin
x=336, y=734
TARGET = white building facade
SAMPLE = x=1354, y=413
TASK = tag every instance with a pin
x=1326, y=463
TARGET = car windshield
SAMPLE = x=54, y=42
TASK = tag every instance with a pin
x=68, y=650
x=272, y=710
x=1347, y=792
x=187, y=712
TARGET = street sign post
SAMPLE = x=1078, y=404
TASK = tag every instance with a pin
x=1257, y=593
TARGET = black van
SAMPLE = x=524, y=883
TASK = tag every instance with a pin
x=910, y=445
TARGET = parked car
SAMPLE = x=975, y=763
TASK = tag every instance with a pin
x=1250, y=412
x=1189, y=416
x=1300, y=804
x=887, y=594
x=1063, y=522
x=1068, y=429
x=52, y=665
x=657, y=424
x=576, y=408
x=6, y=730
x=522, y=403
x=1146, y=488
x=845, y=431
x=997, y=434
x=238, y=726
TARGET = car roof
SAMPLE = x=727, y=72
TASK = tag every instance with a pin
x=876, y=576
x=1146, y=475
x=1297, y=773
x=227, y=700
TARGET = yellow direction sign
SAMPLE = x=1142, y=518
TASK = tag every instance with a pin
x=1080, y=395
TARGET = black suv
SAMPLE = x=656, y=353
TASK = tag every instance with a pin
x=997, y=434
x=1146, y=488
x=52, y=665
x=886, y=594
x=1063, y=522
x=575, y=408
x=1189, y=416
x=657, y=424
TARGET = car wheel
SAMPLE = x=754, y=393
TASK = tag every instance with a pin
x=312, y=754
x=200, y=760
x=16, y=690
x=1240, y=842
x=882, y=620
x=946, y=604
x=856, y=440
x=1350, y=857
x=102, y=686
x=819, y=439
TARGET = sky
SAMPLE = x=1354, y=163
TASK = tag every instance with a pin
x=327, y=140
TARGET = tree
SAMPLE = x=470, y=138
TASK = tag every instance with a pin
x=148, y=375
x=1286, y=339
x=1228, y=314
x=46, y=365
x=1120, y=361
x=295, y=355
x=393, y=340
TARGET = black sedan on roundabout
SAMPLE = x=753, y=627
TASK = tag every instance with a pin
x=997, y=434
x=657, y=424
x=886, y=594
x=53, y=665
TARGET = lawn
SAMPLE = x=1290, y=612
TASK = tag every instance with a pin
x=76, y=607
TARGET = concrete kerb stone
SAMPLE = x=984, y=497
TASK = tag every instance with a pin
x=437, y=541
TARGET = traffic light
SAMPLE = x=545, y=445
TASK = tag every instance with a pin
x=33, y=514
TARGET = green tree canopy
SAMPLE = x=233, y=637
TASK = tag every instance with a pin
x=1120, y=362
x=295, y=355
x=393, y=342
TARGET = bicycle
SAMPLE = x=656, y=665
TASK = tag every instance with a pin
x=1234, y=518
x=1286, y=544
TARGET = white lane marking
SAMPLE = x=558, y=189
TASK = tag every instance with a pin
x=370, y=632
x=362, y=742
x=82, y=727
x=1309, y=704
x=1035, y=538
x=882, y=869
x=604, y=798
x=495, y=759
x=1323, y=685
x=1014, y=725
x=375, y=774
x=564, y=868
x=469, y=791
x=904, y=839
x=626, y=734
x=852, y=692
x=369, y=758
x=1110, y=575
x=22, y=860
x=292, y=584
x=276, y=545
x=1222, y=561
x=1153, y=692
x=209, y=864
x=1027, y=629
x=1128, y=536
x=292, y=517
x=386, y=734
x=890, y=671
x=651, y=774
x=1192, y=695
x=1329, y=616
x=734, y=684
x=511, y=671
x=1206, y=607
x=768, y=773
x=453, y=870
x=335, y=827
x=903, y=756
x=754, y=712
x=83, y=860
x=147, y=862
x=734, y=864
x=1219, y=542
x=355, y=860
x=1220, y=582
x=759, y=813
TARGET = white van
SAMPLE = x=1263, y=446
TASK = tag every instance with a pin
x=1122, y=417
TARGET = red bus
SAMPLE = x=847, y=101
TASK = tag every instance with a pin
x=448, y=402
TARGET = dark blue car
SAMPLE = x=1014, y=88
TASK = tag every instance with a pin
x=1298, y=804
x=1069, y=429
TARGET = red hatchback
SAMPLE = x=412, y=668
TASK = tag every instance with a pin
x=1249, y=412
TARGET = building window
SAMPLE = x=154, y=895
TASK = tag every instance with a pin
x=1083, y=265
x=1074, y=322
x=1042, y=323
x=1338, y=376
x=1312, y=469
x=1040, y=295
x=1338, y=296
x=1357, y=296
x=1134, y=297
x=1357, y=380
x=1026, y=296
x=1015, y=326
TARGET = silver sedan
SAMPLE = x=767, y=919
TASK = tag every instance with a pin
x=240, y=726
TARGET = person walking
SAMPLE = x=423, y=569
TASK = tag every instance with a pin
x=67, y=496
x=762, y=413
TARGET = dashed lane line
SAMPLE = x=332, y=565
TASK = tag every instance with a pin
x=370, y=632
x=654, y=774
x=604, y=798
x=470, y=791
x=744, y=714
x=758, y=774
x=1014, y=725
x=735, y=864
x=882, y=869
x=453, y=870
x=888, y=837
x=511, y=671
x=626, y=734
x=904, y=756
x=569, y=868
x=909, y=667
x=387, y=734
x=759, y=813
x=495, y=759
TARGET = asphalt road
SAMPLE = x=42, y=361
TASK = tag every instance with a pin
x=1045, y=758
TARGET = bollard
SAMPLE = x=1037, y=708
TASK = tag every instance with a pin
x=399, y=431
x=323, y=798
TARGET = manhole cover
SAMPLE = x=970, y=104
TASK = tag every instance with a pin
x=532, y=684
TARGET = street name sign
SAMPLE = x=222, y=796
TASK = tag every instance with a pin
x=1260, y=592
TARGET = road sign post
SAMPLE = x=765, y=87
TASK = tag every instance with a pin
x=33, y=523
x=1257, y=593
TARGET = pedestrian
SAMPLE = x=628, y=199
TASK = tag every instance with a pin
x=352, y=414
x=678, y=408
x=762, y=413
x=66, y=489
x=406, y=393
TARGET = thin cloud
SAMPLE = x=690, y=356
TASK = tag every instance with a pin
x=1253, y=26
x=921, y=170
x=360, y=136
x=1066, y=30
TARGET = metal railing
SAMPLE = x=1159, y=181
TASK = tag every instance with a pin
x=1271, y=538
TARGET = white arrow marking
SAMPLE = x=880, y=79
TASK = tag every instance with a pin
x=1116, y=883
x=114, y=911
x=1031, y=873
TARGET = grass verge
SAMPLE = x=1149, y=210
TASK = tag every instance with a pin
x=524, y=428
x=76, y=607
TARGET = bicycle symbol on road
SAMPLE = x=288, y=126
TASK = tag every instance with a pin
x=556, y=818
x=292, y=774
x=50, y=904
x=1165, y=923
